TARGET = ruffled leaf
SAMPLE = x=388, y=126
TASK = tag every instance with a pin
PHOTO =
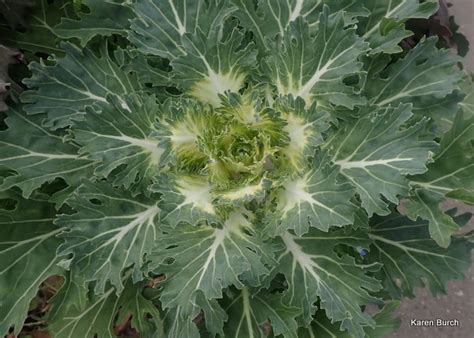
x=209, y=69
x=37, y=155
x=75, y=312
x=39, y=36
x=322, y=326
x=249, y=310
x=412, y=259
x=182, y=124
x=451, y=174
x=160, y=25
x=272, y=17
x=186, y=199
x=426, y=77
x=318, y=198
x=304, y=126
x=453, y=162
x=314, y=271
x=247, y=193
x=80, y=79
x=376, y=154
x=102, y=18
x=384, y=28
x=27, y=255
x=149, y=69
x=206, y=259
x=110, y=232
x=314, y=67
x=467, y=104
x=119, y=133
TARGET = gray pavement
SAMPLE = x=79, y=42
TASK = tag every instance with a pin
x=463, y=11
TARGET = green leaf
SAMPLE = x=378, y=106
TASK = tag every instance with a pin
x=467, y=87
x=179, y=322
x=462, y=194
x=76, y=312
x=318, y=198
x=39, y=36
x=272, y=17
x=176, y=326
x=240, y=153
x=304, y=126
x=211, y=168
x=119, y=134
x=160, y=25
x=251, y=109
x=353, y=10
x=376, y=154
x=384, y=28
x=182, y=124
x=412, y=259
x=148, y=68
x=426, y=205
x=451, y=174
x=248, y=310
x=27, y=255
x=314, y=67
x=247, y=193
x=103, y=18
x=314, y=271
x=207, y=259
x=80, y=79
x=322, y=327
x=214, y=314
x=385, y=324
x=441, y=110
x=185, y=199
x=424, y=78
x=71, y=295
x=453, y=163
x=146, y=318
x=208, y=69
x=37, y=155
x=110, y=232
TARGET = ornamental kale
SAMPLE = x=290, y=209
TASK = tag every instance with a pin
x=229, y=168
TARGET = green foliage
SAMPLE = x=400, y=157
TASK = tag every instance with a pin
x=229, y=168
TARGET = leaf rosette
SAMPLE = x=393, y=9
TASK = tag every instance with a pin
x=232, y=153
x=214, y=168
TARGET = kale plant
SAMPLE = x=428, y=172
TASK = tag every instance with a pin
x=227, y=168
